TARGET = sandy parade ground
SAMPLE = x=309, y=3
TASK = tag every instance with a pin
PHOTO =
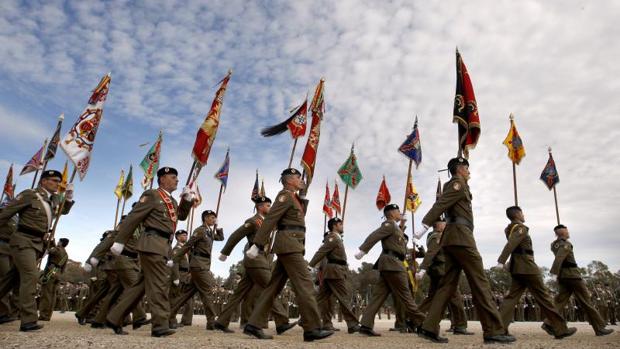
x=64, y=332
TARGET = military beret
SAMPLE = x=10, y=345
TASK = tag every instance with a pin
x=167, y=170
x=332, y=222
x=559, y=226
x=179, y=232
x=208, y=213
x=64, y=241
x=457, y=161
x=261, y=200
x=390, y=207
x=51, y=173
x=290, y=171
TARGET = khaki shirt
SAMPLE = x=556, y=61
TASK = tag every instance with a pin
x=288, y=210
x=519, y=242
x=332, y=250
x=181, y=261
x=247, y=230
x=392, y=239
x=563, y=251
x=201, y=245
x=433, y=259
x=6, y=231
x=455, y=202
x=152, y=212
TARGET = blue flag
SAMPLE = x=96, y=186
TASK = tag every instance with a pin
x=549, y=174
x=412, y=148
x=222, y=173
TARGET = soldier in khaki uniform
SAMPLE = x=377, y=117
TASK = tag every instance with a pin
x=433, y=262
x=334, y=276
x=287, y=215
x=526, y=276
x=180, y=278
x=393, y=277
x=570, y=281
x=461, y=254
x=199, y=247
x=37, y=209
x=256, y=275
x=56, y=262
x=8, y=304
x=158, y=212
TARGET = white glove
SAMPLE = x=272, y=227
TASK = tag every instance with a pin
x=421, y=233
x=176, y=282
x=69, y=192
x=93, y=261
x=419, y=275
x=360, y=254
x=499, y=266
x=252, y=252
x=88, y=267
x=188, y=194
x=169, y=263
x=223, y=257
x=117, y=248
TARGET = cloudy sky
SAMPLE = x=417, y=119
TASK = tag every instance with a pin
x=554, y=65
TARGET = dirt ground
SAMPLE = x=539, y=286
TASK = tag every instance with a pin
x=64, y=332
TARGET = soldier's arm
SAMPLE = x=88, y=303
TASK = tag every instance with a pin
x=21, y=202
x=175, y=273
x=560, y=255
x=450, y=196
x=102, y=248
x=281, y=205
x=184, y=209
x=67, y=206
x=376, y=236
x=514, y=239
x=433, y=248
x=143, y=207
x=176, y=257
x=219, y=235
x=326, y=248
x=236, y=236
x=304, y=204
x=197, y=235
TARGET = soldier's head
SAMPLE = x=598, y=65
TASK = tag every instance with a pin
x=439, y=225
x=50, y=179
x=561, y=231
x=262, y=204
x=515, y=213
x=392, y=212
x=181, y=235
x=63, y=242
x=459, y=167
x=291, y=179
x=335, y=225
x=209, y=217
x=167, y=179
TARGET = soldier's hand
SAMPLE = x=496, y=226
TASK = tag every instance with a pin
x=88, y=267
x=223, y=257
x=93, y=261
x=69, y=192
x=169, y=263
x=499, y=266
x=421, y=233
x=176, y=282
x=252, y=252
x=189, y=194
x=117, y=248
x=360, y=254
x=419, y=275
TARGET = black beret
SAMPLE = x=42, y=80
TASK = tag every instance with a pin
x=261, y=200
x=290, y=171
x=167, y=170
x=179, y=232
x=390, y=207
x=208, y=213
x=51, y=173
x=332, y=222
x=457, y=161
x=559, y=226
x=64, y=241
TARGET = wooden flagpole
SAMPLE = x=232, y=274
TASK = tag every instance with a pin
x=344, y=205
x=219, y=199
x=191, y=171
x=290, y=161
x=118, y=204
x=36, y=173
x=557, y=211
x=60, y=208
x=324, y=223
x=514, y=167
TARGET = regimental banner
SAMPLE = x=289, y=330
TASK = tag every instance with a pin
x=222, y=174
x=516, y=150
x=255, y=190
x=349, y=172
x=550, y=175
x=327, y=204
x=317, y=107
x=336, y=200
x=78, y=143
x=53, y=145
x=465, y=109
x=411, y=147
x=150, y=163
x=412, y=199
x=383, y=196
x=8, y=189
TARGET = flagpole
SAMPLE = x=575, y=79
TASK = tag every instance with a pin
x=191, y=171
x=60, y=208
x=190, y=220
x=290, y=161
x=151, y=185
x=324, y=222
x=407, y=185
x=219, y=198
x=36, y=173
x=118, y=204
x=557, y=211
x=514, y=167
x=344, y=206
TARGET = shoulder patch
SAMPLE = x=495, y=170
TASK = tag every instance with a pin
x=566, y=246
x=247, y=225
x=556, y=245
x=282, y=198
x=331, y=239
x=143, y=198
x=456, y=186
x=386, y=224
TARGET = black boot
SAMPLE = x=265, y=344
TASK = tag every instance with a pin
x=433, y=337
x=117, y=329
x=162, y=333
x=354, y=328
x=139, y=323
x=6, y=319
x=283, y=328
x=569, y=332
x=31, y=326
x=604, y=332
x=500, y=338
x=256, y=332
x=368, y=331
x=310, y=336
x=81, y=320
x=222, y=328
x=97, y=325
x=461, y=331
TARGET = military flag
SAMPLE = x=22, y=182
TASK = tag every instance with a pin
x=438, y=193
x=412, y=199
x=62, y=187
x=412, y=148
x=549, y=175
x=383, y=196
x=118, y=191
x=150, y=163
x=465, y=109
x=222, y=174
x=36, y=161
x=8, y=189
x=336, y=200
x=350, y=172
x=78, y=143
x=516, y=150
x=208, y=130
x=327, y=204
x=262, y=188
x=296, y=123
x=255, y=189
x=317, y=107
x=128, y=186
x=53, y=144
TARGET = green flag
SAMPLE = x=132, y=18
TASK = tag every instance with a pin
x=150, y=163
x=128, y=186
x=349, y=172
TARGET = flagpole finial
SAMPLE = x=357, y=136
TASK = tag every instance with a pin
x=230, y=71
x=322, y=79
x=549, y=150
x=61, y=116
x=511, y=117
x=109, y=74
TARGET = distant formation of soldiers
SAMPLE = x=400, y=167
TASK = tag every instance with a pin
x=135, y=269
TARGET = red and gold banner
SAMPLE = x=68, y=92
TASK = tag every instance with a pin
x=465, y=109
x=308, y=160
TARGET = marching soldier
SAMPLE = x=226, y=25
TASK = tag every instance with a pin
x=461, y=254
x=393, y=277
x=434, y=263
x=527, y=276
x=334, y=276
x=199, y=246
x=180, y=279
x=256, y=275
x=570, y=281
x=56, y=263
x=287, y=216
x=37, y=209
x=8, y=304
x=159, y=212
